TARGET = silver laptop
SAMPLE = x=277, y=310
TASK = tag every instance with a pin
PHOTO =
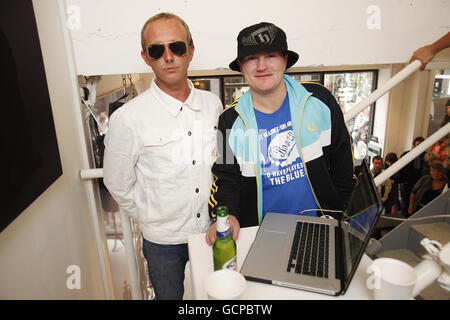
x=317, y=254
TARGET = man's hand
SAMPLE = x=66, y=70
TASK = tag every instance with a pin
x=210, y=236
x=424, y=54
x=427, y=53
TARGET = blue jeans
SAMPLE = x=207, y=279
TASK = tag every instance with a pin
x=166, y=264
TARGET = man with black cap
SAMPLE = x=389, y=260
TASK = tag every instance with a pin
x=284, y=146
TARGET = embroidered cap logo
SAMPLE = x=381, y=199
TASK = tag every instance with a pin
x=264, y=35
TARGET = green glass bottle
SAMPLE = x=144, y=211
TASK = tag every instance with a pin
x=224, y=248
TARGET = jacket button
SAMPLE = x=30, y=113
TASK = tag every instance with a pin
x=189, y=133
x=197, y=190
x=198, y=215
x=194, y=162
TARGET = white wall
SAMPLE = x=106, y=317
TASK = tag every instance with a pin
x=106, y=33
x=56, y=231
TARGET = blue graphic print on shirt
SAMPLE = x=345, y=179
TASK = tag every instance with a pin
x=285, y=185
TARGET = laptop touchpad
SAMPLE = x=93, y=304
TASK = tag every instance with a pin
x=271, y=247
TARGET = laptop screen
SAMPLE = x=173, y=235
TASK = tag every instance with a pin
x=359, y=219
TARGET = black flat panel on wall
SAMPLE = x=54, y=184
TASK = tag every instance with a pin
x=30, y=160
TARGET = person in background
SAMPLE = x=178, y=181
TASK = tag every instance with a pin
x=384, y=188
x=447, y=114
x=441, y=147
x=392, y=203
x=428, y=187
x=446, y=165
x=360, y=145
x=284, y=146
x=159, y=150
x=409, y=175
x=426, y=53
x=428, y=159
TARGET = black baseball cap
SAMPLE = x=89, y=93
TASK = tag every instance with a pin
x=262, y=37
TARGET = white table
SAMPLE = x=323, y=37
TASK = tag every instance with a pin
x=201, y=264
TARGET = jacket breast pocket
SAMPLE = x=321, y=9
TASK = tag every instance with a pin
x=161, y=148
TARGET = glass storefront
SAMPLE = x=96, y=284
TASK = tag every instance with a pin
x=308, y=77
x=209, y=84
x=234, y=88
x=349, y=88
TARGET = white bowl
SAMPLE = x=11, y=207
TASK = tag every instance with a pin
x=224, y=285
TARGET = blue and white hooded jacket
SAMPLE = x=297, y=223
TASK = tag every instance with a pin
x=322, y=138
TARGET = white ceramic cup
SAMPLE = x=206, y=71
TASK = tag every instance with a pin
x=394, y=279
x=224, y=285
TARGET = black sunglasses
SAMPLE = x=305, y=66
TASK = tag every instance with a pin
x=155, y=51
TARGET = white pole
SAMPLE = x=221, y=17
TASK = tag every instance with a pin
x=399, y=77
x=131, y=256
x=136, y=294
x=87, y=174
x=411, y=155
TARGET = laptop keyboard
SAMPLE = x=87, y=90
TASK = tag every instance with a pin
x=309, y=251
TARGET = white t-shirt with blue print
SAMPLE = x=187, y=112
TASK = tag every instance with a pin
x=285, y=185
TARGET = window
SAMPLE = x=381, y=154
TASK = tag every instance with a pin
x=307, y=77
x=349, y=88
x=234, y=88
x=441, y=94
x=208, y=84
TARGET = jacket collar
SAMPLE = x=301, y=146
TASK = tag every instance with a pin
x=296, y=91
x=172, y=105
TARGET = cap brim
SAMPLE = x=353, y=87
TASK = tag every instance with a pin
x=292, y=59
x=234, y=65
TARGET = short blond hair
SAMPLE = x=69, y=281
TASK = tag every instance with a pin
x=166, y=15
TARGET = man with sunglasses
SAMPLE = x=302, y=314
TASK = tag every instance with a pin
x=158, y=154
x=284, y=146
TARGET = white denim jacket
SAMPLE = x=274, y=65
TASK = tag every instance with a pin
x=157, y=163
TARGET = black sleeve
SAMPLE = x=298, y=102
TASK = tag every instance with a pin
x=226, y=186
x=406, y=171
x=339, y=154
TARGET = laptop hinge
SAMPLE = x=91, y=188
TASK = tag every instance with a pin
x=339, y=252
